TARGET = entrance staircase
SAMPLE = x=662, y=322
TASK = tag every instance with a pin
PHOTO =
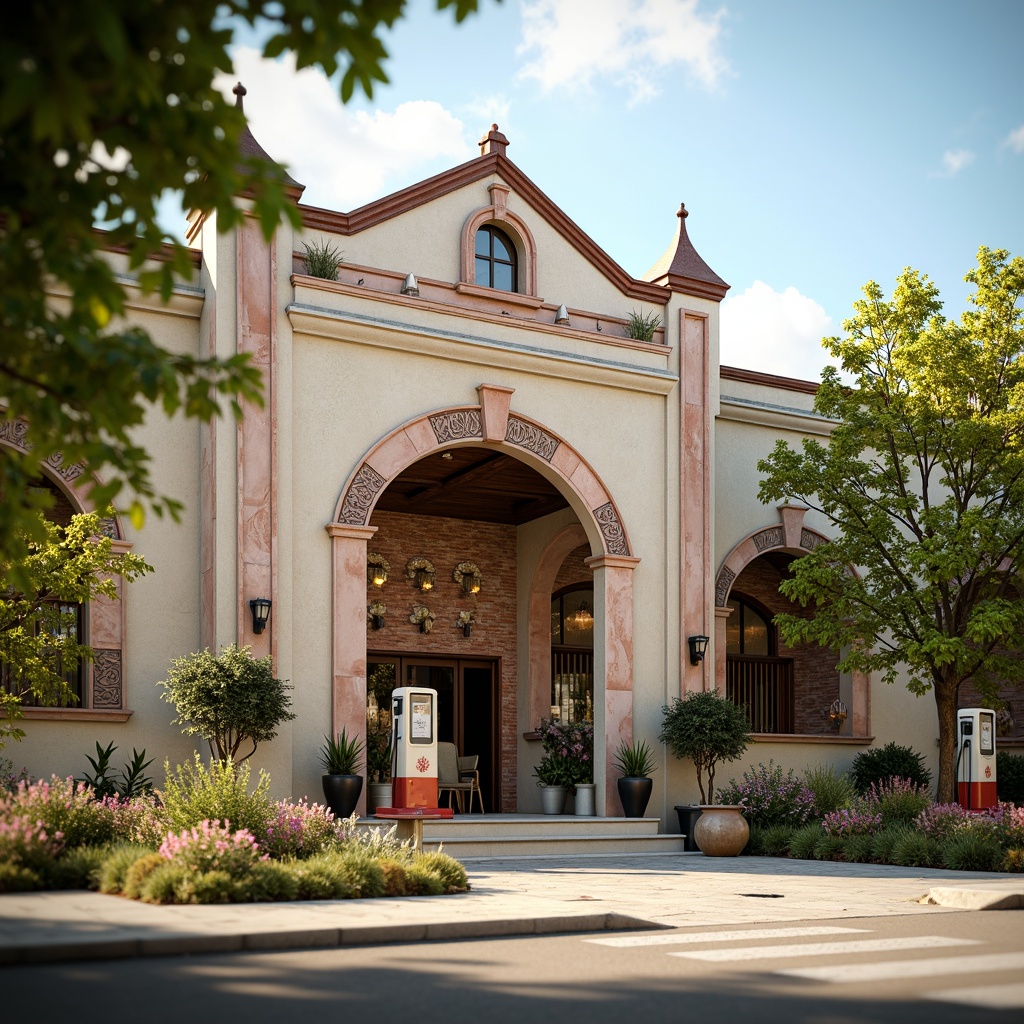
x=480, y=836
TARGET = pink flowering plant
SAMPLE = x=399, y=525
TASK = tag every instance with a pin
x=939, y=821
x=770, y=798
x=301, y=830
x=213, y=847
x=851, y=821
x=568, y=752
x=897, y=800
x=61, y=805
x=28, y=844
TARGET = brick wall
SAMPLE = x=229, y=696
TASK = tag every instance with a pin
x=815, y=679
x=1010, y=695
x=446, y=542
x=573, y=570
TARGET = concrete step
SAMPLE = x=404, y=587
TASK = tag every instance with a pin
x=515, y=846
x=491, y=825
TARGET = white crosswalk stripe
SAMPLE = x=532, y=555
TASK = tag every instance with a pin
x=823, y=948
x=747, y=934
x=932, y=967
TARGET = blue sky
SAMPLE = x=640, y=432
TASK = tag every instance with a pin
x=817, y=144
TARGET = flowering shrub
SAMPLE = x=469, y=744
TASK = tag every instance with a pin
x=848, y=822
x=569, y=746
x=138, y=820
x=769, y=797
x=194, y=793
x=213, y=847
x=300, y=830
x=61, y=805
x=941, y=820
x=9, y=778
x=27, y=843
x=896, y=799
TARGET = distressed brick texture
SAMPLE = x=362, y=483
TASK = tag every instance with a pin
x=815, y=679
x=573, y=570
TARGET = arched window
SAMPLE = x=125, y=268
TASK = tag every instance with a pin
x=572, y=653
x=749, y=629
x=497, y=263
x=755, y=678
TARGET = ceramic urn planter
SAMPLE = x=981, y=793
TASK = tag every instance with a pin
x=721, y=830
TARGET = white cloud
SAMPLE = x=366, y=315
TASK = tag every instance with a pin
x=569, y=43
x=345, y=157
x=954, y=161
x=1015, y=140
x=775, y=332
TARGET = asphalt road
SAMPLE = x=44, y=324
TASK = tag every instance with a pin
x=955, y=967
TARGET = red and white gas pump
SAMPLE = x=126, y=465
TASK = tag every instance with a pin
x=414, y=754
x=976, y=758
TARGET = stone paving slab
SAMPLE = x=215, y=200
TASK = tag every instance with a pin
x=508, y=897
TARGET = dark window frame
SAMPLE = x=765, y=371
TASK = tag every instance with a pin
x=490, y=261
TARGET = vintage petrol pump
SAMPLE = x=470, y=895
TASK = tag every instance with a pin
x=414, y=752
x=976, y=758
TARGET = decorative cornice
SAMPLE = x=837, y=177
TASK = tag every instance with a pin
x=770, y=380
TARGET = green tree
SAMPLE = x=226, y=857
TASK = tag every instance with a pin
x=39, y=642
x=228, y=699
x=104, y=107
x=707, y=728
x=923, y=480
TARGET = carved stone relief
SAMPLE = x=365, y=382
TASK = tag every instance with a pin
x=454, y=426
x=356, y=509
x=106, y=680
x=611, y=530
x=722, y=586
x=532, y=438
x=770, y=538
x=810, y=540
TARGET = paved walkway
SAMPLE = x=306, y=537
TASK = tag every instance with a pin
x=508, y=897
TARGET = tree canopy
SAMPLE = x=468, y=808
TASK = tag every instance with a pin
x=923, y=481
x=104, y=107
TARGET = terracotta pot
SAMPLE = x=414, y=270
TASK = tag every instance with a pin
x=721, y=830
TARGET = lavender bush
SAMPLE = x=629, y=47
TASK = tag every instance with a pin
x=854, y=821
x=770, y=798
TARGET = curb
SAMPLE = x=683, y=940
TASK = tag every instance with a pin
x=319, y=938
x=975, y=899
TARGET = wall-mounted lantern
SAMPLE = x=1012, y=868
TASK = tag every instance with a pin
x=421, y=572
x=260, y=608
x=698, y=648
x=377, y=569
x=468, y=576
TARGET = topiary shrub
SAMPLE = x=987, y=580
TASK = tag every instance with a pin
x=1010, y=777
x=889, y=762
x=706, y=728
x=231, y=699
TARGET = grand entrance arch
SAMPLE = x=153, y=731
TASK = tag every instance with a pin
x=489, y=425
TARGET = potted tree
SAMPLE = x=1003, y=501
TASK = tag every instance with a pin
x=342, y=759
x=708, y=728
x=636, y=762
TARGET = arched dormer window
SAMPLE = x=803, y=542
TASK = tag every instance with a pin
x=497, y=262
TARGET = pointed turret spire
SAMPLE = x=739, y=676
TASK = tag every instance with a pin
x=248, y=146
x=682, y=269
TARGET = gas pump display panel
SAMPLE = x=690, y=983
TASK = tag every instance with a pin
x=985, y=723
x=422, y=725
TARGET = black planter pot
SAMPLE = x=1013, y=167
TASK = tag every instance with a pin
x=341, y=792
x=688, y=816
x=634, y=792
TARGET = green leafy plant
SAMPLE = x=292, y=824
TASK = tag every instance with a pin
x=832, y=791
x=889, y=762
x=896, y=800
x=775, y=839
x=218, y=793
x=641, y=326
x=885, y=840
x=322, y=259
x=554, y=770
x=970, y=850
x=228, y=699
x=804, y=840
x=708, y=729
x=916, y=850
x=342, y=756
x=634, y=760
x=132, y=782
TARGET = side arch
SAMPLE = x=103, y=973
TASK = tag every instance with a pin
x=105, y=619
x=789, y=536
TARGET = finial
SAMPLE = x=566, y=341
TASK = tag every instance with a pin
x=239, y=91
x=493, y=142
x=683, y=212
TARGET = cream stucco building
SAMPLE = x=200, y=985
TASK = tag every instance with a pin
x=466, y=394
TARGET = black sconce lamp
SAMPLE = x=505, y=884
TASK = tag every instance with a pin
x=698, y=647
x=260, y=608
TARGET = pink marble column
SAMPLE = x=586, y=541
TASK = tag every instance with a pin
x=348, y=652
x=613, y=577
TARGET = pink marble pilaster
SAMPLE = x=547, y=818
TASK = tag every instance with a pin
x=695, y=498
x=257, y=456
x=721, y=622
x=613, y=575
x=494, y=405
x=348, y=626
